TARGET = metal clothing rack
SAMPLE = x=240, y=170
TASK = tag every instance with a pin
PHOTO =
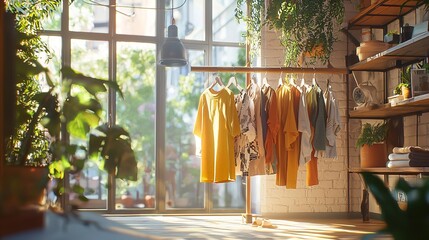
x=248, y=215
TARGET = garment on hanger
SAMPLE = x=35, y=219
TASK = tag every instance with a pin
x=312, y=177
x=264, y=115
x=294, y=152
x=217, y=124
x=257, y=167
x=333, y=125
x=272, y=128
x=320, y=127
x=286, y=138
x=304, y=126
x=244, y=153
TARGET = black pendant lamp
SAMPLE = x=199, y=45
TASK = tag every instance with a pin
x=173, y=53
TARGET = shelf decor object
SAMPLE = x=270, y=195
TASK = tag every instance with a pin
x=419, y=82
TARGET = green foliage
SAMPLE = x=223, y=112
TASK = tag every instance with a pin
x=28, y=17
x=304, y=26
x=114, y=144
x=412, y=223
x=253, y=23
x=372, y=133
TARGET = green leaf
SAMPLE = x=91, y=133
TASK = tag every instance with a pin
x=92, y=85
x=113, y=145
x=80, y=126
x=394, y=217
x=83, y=198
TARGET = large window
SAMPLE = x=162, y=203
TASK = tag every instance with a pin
x=120, y=41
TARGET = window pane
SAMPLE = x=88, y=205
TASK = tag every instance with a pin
x=86, y=16
x=90, y=58
x=183, y=187
x=53, y=22
x=52, y=60
x=229, y=56
x=225, y=26
x=229, y=195
x=189, y=19
x=136, y=67
x=133, y=20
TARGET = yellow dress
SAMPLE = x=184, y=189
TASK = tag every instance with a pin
x=217, y=124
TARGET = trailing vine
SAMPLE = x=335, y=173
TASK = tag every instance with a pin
x=253, y=22
x=304, y=26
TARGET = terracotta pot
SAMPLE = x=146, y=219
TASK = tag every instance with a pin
x=373, y=156
x=406, y=93
x=22, y=192
x=23, y=186
x=317, y=50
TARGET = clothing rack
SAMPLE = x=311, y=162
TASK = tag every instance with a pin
x=248, y=215
x=269, y=70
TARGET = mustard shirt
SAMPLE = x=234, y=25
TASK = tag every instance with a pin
x=217, y=124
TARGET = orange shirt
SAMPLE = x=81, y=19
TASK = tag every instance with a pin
x=287, y=169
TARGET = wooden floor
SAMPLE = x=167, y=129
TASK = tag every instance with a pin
x=232, y=227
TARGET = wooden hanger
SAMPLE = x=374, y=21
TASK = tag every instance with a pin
x=233, y=81
x=314, y=79
x=281, y=79
x=217, y=80
x=302, y=80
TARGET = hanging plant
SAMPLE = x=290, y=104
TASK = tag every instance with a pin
x=253, y=23
x=307, y=27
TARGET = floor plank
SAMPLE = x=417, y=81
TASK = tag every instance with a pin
x=232, y=227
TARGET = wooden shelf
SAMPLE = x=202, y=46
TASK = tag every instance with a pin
x=410, y=51
x=392, y=171
x=381, y=13
x=407, y=107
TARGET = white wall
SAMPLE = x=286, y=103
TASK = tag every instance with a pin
x=330, y=196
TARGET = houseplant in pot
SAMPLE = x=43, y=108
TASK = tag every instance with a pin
x=65, y=107
x=373, y=151
x=404, y=86
x=392, y=37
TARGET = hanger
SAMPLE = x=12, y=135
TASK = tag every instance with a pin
x=281, y=79
x=292, y=80
x=314, y=79
x=328, y=84
x=302, y=80
x=217, y=80
x=233, y=81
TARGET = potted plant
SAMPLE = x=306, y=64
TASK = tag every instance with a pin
x=68, y=107
x=305, y=27
x=392, y=37
x=409, y=223
x=404, y=87
x=372, y=147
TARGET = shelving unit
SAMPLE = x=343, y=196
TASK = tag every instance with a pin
x=411, y=51
x=393, y=171
x=412, y=106
x=379, y=15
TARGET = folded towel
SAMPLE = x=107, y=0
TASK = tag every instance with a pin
x=399, y=156
x=419, y=163
x=398, y=163
x=419, y=156
x=409, y=149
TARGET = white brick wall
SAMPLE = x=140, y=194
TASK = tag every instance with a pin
x=331, y=193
